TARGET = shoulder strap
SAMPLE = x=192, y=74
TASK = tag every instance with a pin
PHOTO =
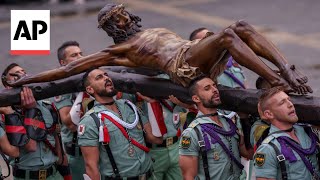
x=107, y=147
x=203, y=153
x=281, y=160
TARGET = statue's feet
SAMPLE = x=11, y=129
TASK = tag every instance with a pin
x=289, y=88
x=284, y=84
x=296, y=79
x=291, y=71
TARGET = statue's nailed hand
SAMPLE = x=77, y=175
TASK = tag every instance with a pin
x=17, y=81
x=27, y=99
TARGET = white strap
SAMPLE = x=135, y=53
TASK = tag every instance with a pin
x=120, y=121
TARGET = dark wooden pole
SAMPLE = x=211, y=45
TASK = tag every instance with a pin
x=307, y=107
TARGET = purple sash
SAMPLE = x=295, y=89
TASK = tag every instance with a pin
x=287, y=145
x=213, y=131
x=233, y=77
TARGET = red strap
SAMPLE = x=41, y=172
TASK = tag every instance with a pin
x=255, y=148
x=15, y=129
x=123, y=131
x=158, y=113
x=119, y=95
x=52, y=129
x=67, y=177
x=138, y=98
x=106, y=136
x=34, y=122
x=3, y=117
x=193, y=110
x=50, y=146
x=167, y=105
x=178, y=133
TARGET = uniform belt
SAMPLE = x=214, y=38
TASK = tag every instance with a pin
x=140, y=177
x=39, y=174
x=167, y=142
x=72, y=150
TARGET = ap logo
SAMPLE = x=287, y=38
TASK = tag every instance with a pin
x=30, y=32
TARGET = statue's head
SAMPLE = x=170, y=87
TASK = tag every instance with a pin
x=118, y=23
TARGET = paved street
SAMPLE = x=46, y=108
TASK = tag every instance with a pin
x=293, y=25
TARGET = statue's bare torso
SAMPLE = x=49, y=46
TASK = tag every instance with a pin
x=154, y=48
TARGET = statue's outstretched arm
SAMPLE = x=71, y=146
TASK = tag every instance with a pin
x=102, y=58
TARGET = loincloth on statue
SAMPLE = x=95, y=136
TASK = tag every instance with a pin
x=182, y=73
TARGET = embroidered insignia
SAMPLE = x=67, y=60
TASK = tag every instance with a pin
x=81, y=129
x=57, y=98
x=216, y=156
x=175, y=118
x=259, y=159
x=185, y=142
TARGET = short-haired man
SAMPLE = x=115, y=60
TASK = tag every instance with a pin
x=289, y=152
x=111, y=133
x=38, y=157
x=68, y=52
x=210, y=147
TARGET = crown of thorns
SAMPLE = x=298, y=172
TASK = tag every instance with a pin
x=108, y=14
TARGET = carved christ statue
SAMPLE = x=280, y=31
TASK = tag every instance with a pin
x=161, y=49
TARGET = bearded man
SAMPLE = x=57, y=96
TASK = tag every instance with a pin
x=211, y=146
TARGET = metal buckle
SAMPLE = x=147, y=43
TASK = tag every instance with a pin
x=201, y=143
x=143, y=177
x=42, y=174
x=169, y=141
x=281, y=157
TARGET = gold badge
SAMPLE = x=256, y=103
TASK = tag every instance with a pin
x=216, y=156
x=185, y=142
x=42, y=174
x=131, y=151
x=259, y=159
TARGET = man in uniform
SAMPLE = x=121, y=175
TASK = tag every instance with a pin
x=166, y=113
x=68, y=52
x=38, y=161
x=118, y=126
x=290, y=151
x=233, y=77
x=210, y=147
